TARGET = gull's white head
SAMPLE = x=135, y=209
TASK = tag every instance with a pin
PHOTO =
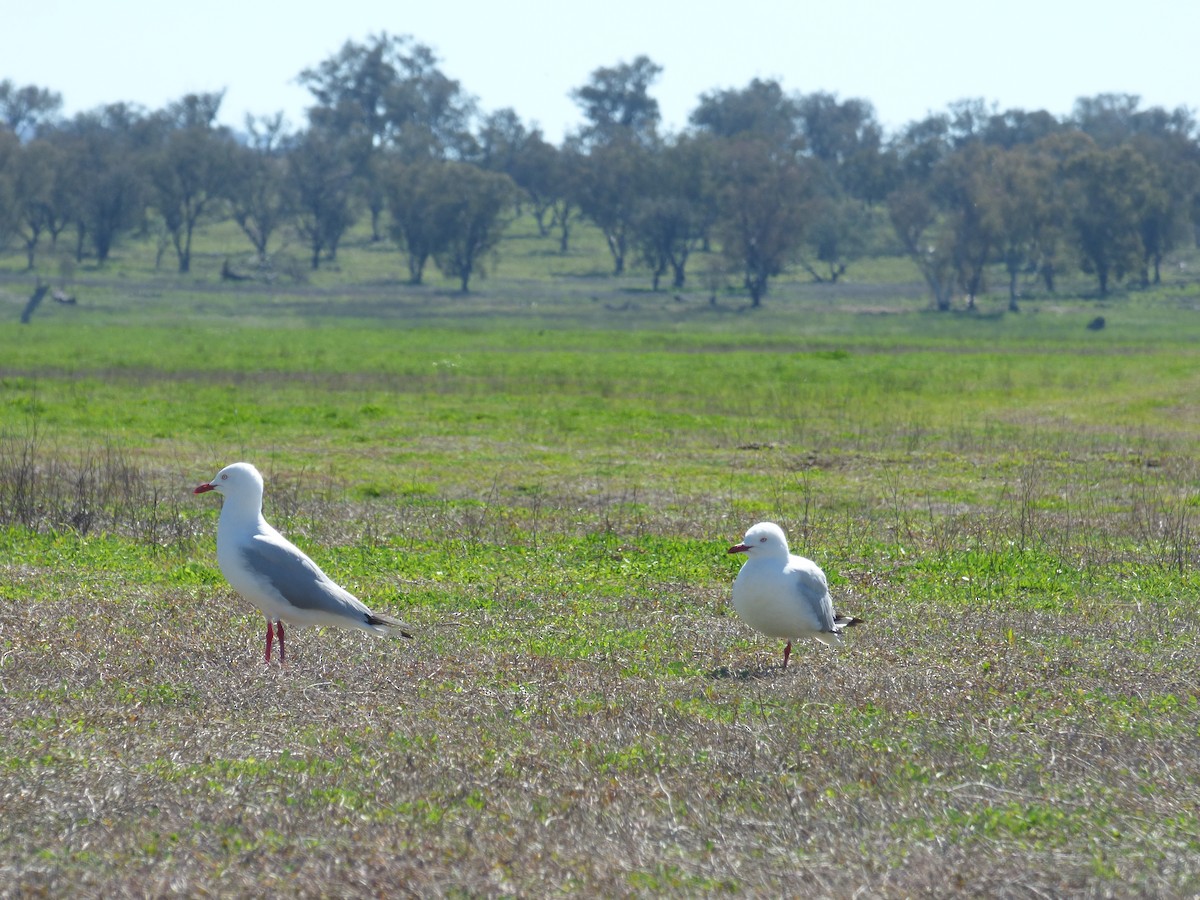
x=234, y=480
x=766, y=539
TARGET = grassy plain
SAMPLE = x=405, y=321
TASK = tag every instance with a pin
x=544, y=476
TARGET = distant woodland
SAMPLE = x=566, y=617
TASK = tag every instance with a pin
x=769, y=180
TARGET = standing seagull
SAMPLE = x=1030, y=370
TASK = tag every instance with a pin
x=783, y=595
x=273, y=573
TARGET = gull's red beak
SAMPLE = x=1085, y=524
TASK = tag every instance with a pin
x=737, y=548
x=206, y=487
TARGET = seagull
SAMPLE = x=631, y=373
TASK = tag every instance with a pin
x=783, y=595
x=273, y=573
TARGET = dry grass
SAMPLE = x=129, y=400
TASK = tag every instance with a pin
x=954, y=746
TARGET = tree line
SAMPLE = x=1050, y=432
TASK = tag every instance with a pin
x=763, y=178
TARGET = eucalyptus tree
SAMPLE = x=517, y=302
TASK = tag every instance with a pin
x=392, y=88
x=257, y=191
x=838, y=233
x=27, y=109
x=383, y=100
x=33, y=172
x=611, y=180
x=968, y=192
x=613, y=150
x=321, y=191
x=1111, y=191
x=540, y=170
x=104, y=161
x=10, y=148
x=1029, y=213
x=677, y=209
x=474, y=208
x=190, y=173
x=847, y=139
x=941, y=210
x=500, y=141
x=765, y=207
x=925, y=238
x=414, y=194
x=1172, y=152
x=617, y=105
x=502, y=144
x=451, y=212
x=1018, y=127
x=761, y=111
x=43, y=194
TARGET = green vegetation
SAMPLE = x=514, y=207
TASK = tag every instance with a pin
x=544, y=477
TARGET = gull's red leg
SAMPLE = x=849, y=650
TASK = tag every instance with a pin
x=270, y=637
x=787, y=651
x=279, y=627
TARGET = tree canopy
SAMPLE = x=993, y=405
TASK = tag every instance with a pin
x=764, y=178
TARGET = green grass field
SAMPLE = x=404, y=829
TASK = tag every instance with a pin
x=544, y=476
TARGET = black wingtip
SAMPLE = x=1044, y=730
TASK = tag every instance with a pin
x=395, y=626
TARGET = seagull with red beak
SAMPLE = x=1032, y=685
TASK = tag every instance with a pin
x=273, y=573
x=783, y=595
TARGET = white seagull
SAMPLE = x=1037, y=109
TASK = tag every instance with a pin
x=783, y=595
x=273, y=573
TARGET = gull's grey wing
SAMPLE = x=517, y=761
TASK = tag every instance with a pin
x=814, y=592
x=297, y=578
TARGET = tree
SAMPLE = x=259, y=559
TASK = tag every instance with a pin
x=563, y=188
x=10, y=149
x=451, y=212
x=62, y=202
x=320, y=182
x=391, y=89
x=414, y=191
x=1108, y=119
x=1166, y=210
x=919, y=147
x=760, y=111
x=1110, y=192
x=475, y=208
x=505, y=145
x=104, y=153
x=499, y=143
x=764, y=211
x=1028, y=214
x=24, y=110
x=190, y=174
x=611, y=180
x=674, y=214
x=1017, y=127
x=537, y=166
x=968, y=192
x=921, y=233
x=846, y=138
x=257, y=190
x=836, y=236
x=34, y=167
x=617, y=104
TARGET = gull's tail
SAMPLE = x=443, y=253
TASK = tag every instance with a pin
x=840, y=623
x=381, y=623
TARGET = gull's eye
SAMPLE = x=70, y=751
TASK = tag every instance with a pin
x=763, y=539
x=225, y=477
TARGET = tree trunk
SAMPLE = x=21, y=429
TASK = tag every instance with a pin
x=678, y=280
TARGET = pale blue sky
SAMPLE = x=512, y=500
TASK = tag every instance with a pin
x=907, y=58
